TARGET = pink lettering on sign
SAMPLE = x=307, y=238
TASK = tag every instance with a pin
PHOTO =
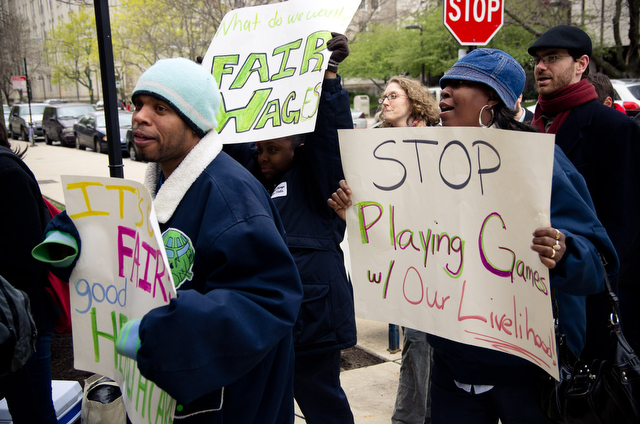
x=152, y=263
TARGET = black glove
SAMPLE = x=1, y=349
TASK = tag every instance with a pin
x=339, y=48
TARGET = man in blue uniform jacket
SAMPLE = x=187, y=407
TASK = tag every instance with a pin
x=301, y=172
x=223, y=348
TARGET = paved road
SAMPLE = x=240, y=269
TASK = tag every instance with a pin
x=48, y=163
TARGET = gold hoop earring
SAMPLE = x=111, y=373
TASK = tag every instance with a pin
x=480, y=117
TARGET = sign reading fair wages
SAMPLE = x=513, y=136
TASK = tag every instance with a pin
x=269, y=62
x=440, y=233
x=121, y=274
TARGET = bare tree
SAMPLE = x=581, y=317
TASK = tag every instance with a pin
x=14, y=48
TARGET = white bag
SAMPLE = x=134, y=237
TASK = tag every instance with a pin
x=109, y=410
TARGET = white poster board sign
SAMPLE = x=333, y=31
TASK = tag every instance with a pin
x=440, y=233
x=269, y=62
x=121, y=274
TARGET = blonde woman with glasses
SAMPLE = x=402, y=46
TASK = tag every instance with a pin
x=407, y=103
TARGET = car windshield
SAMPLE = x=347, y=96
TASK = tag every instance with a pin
x=123, y=119
x=635, y=90
x=35, y=110
x=74, y=111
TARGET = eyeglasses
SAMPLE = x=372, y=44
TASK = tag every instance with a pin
x=390, y=96
x=547, y=60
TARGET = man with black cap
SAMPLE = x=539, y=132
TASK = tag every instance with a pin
x=604, y=145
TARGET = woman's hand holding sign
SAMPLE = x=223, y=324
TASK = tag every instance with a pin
x=550, y=245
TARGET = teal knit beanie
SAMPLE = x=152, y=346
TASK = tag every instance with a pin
x=187, y=88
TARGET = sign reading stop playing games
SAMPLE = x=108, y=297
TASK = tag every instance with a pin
x=473, y=22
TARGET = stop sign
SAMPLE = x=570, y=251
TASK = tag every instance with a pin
x=473, y=22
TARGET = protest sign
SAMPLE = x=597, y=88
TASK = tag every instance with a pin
x=269, y=62
x=440, y=233
x=122, y=273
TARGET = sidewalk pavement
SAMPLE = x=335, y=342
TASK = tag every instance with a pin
x=49, y=162
x=371, y=390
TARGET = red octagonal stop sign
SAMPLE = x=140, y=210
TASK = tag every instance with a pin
x=473, y=22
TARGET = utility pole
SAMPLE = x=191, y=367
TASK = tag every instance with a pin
x=32, y=140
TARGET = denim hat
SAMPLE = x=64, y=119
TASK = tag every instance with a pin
x=187, y=88
x=563, y=37
x=491, y=67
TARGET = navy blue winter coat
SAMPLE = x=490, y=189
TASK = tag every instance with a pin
x=223, y=348
x=314, y=231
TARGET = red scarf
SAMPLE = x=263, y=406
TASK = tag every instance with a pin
x=561, y=102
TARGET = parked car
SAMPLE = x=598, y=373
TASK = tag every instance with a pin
x=435, y=92
x=58, y=120
x=359, y=120
x=131, y=147
x=627, y=94
x=54, y=101
x=100, y=105
x=7, y=110
x=90, y=131
x=19, y=120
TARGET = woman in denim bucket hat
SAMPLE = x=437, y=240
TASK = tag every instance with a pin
x=474, y=385
x=494, y=75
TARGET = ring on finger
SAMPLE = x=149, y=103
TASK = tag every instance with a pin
x=557, y=234
x=553, y=254
x=556, y=246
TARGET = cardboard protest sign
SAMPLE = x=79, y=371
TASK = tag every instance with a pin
x=269, y=62
x=440, y=233
x=121, y=274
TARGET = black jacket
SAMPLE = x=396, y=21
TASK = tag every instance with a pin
x=314, y=231
x=24, y=217
x=604, y=145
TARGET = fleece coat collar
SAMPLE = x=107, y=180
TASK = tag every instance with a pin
x=167, y=199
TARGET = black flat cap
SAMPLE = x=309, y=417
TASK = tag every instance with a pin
x=563, y=37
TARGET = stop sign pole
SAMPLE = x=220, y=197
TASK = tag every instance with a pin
x=473, y=22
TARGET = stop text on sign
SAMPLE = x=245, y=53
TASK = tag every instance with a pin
x=473, y=22
x=482, y=9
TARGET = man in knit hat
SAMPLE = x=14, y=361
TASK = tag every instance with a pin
x=223, y=348
x=604, y=146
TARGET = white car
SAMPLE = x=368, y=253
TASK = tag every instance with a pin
x=359, y=120
x=627, y=93
x=435, y=92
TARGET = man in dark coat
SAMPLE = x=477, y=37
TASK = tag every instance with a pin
x=300, y=173
x=223, y=348
x=604, y=145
